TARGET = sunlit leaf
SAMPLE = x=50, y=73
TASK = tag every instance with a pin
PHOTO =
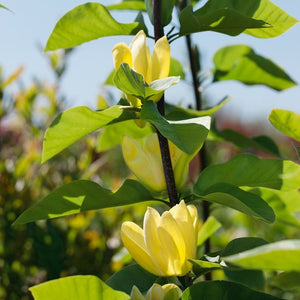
x=82, y=195
x=287, y=122
x=112, y=135
x=260, y=18
x=249, y=170
x=174, y=112
x=240, y=62
x=283, y=203
x=225, y=290
x=220, y=19
x=132, y=83
x=210, y=226
x=234, y=197
x=187, y=135
x=74, y=123
x=129, y=276
x=201, y=267
x=76, y=288
x=87, y=22
x=128, y=5
x=283, y=256
x=176, y=68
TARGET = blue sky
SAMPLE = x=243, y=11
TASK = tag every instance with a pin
x=25, y=31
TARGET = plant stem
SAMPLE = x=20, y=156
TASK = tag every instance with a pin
x=163, y=142
x=202, y=152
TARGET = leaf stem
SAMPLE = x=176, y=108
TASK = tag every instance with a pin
x=163, y=142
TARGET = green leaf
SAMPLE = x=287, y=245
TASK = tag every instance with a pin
x=128, y=5
x=287, y=281
x=129, y=276
x=132, y=83
x=261, y=143
x=281, y=202
x=287, y=122
x=252, y=278
x=113, y=134
x=242, y=244
x=166, y=10
x=283, y=255
x=176, y=70
x=225, y=290
x=260, y=18
x=87, y=22
x=76, y=288
x=74, y=123
x=210, y=226
x=175, y=112
x=234, y=197
x=83, y=195
x=187, y=135
x=248, y=170
x=2, y=6
x=201, y=267
x=220, y=19
x=240, y=62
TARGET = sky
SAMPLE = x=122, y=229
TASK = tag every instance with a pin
x=25, y=30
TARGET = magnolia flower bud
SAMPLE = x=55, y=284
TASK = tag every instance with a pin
x=138, y=57
x=143, y=157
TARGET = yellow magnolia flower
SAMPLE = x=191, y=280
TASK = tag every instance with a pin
x=166, y=242
x=138, y=57
x=157, y=292
x=143, y=157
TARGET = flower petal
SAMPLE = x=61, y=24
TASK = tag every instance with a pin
x=152, y=241
x=161, y=59
x=141, y=56
x=173, y=244
x=121, y=54
x=133, y=239
x=185, y=222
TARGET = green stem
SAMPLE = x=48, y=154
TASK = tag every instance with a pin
x=163, y=142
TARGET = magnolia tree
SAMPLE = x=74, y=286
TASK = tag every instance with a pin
x=171, y=251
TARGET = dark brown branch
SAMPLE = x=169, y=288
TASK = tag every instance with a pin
x=163, y=142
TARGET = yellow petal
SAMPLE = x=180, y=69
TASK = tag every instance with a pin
x=194, y=214
x=173, y=244
x=133, y=240
x=144, y=163
x=161, y=59
x=141, y=58
x=152, y=241
x=156, y=172
x=180, y=164
x=121, y=54
x=185, y=222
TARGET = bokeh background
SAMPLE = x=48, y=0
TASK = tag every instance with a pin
x=35, y=86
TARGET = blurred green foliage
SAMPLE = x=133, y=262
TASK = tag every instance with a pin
x=81, y=244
